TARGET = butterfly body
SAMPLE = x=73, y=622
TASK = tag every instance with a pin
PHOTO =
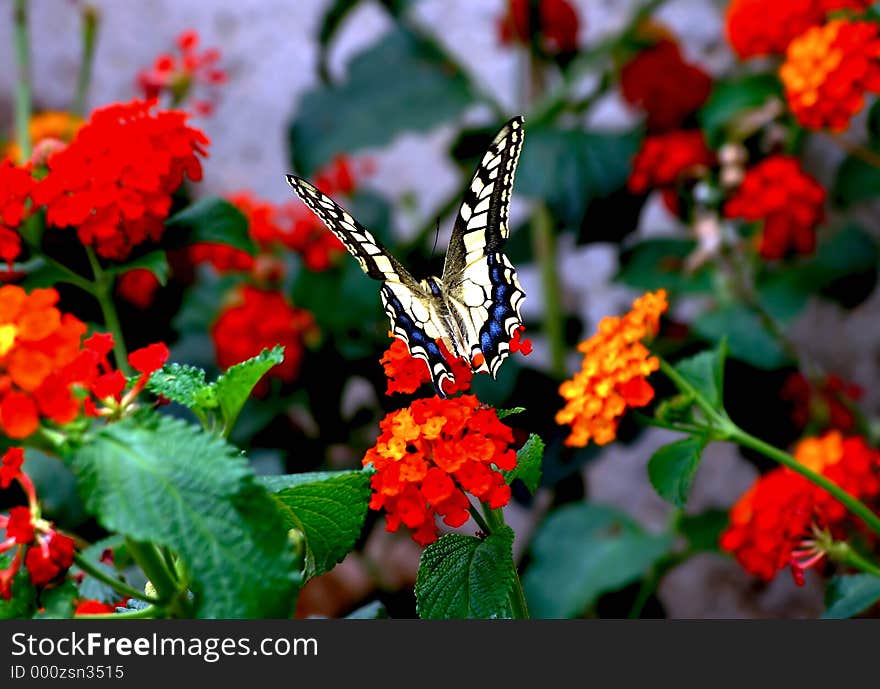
x=474, y=307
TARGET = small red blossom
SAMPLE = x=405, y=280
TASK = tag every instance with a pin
x=150, y=358
x=664, y=86
x=430, y=454
x=518, y=344
x=788, y=201
x=52, y=556
x=138, y=287
x=16, y=185
x=114, y=182
x=20, y=526
x=557, y=30
x=257, y=319
x=178, y=75
x=10, y=468
x=96, y=607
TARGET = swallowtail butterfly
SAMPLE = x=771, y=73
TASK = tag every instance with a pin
x=474, y=307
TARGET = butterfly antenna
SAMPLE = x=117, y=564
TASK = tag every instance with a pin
x=436, y=236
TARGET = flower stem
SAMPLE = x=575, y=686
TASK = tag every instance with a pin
x=843, y=553
x=119, y=586
x=153, y=565
x=102, y=289
x=544, y=243
x=23, y=83
x=478, y=518
x=84, y=78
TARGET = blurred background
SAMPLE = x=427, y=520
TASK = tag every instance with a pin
x=410, y=93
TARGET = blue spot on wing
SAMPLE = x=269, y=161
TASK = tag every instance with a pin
x=492, y=334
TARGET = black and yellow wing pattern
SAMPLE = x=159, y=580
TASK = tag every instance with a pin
x=474, y=308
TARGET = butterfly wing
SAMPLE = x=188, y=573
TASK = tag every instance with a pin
x=415, y=314
x=479, y=279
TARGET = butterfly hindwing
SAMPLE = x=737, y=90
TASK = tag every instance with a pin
x=480, y=280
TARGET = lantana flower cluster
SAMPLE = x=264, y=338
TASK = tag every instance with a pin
x=557, y=25
x=430, y=454
x=16, y=185
x=772, y=526
x=613, y=376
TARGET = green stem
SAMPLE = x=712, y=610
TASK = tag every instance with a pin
x=102, y=289
x=843, y=553
x=23, y=83
x=516, y=597
x=716, y=417
x=147, y=613
x=119, y=586
x=475, y=513
x=84, y=78
x=153, y=565
x=544, y=243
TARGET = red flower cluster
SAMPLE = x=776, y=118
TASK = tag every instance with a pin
x=432, y=452
x=176, y=75
x=771, y=524
x=660, y=82
x=46, y=553
x=407, y=373
x=664, y=160
x=755, y=27
x=823, y=403
x=258, y=319
x=115, y=179
x=558, y=25
x=788, y=201
x=16, y=185
x=829, y=69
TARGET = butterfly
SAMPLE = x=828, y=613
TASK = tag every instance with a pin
x=474, y=307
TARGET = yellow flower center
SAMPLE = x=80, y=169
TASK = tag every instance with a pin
x=7, y=337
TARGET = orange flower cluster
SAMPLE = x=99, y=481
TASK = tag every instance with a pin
x=430, y=454
x=788, y=201
x=829, y=69
x=36, y=342
x=613, y=374
x=756, y=27
x=49, y=131
x=258, y=319
x=771, y=524
x=16, y=185
x=660, y=82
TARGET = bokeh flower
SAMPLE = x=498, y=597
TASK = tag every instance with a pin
x=16, y=185
x=138, y=286
x=613, y=376
x=826, y=402
x=666, y=87
x=829, y=69
x=428, y=455
x=257, y=319
x=49, y=131
x=114, y=182
x=557, y=28
x=789, y=203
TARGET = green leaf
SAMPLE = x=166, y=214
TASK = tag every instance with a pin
x=705, y=372
x=465, y=577
x=23, y=602
x=56, y=486
x=854, y=182
x=168, y=483
x=747, y=338
x=328, y=507
x=528, y=463
x=58, y=602
x=582, y=551
x=672, y=468
x=730, y=100
x=369, y=109
x=873, y=125
x=704, y=529
x=504, y=413
x=93, y=589
x=234, y=386
x=183, y=384
x=211, y=220
x=568, y=168
x=659, y=264
x=850, y=594
x=155, y=261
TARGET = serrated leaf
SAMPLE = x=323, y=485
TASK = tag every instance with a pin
x=465, y=577
x=328, y=507
x=659, y=264
x=528, y=463
x=504, y=413
x=58, y=602
x=232, y=388
x=672, y=468
x=171, y=484
x=568, y=168
x=365, y=110
x=23, y=602
x=850, y=594
x=183, y=384
x=705, y=372
x=155, y=261
x=583, y=551
x=213, y=221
